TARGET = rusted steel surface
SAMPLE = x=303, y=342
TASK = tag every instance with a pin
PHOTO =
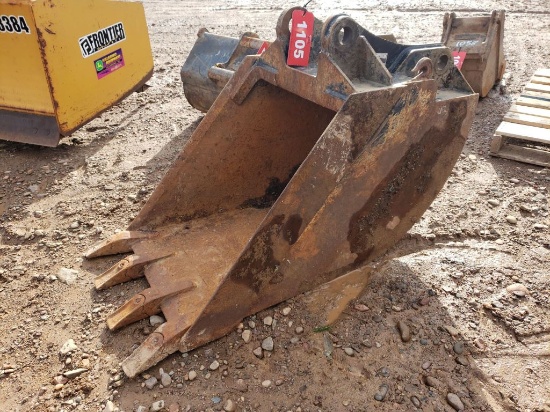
x=294, y=177
x=482, y=39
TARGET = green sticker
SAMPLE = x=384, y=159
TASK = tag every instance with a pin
x=99, y=65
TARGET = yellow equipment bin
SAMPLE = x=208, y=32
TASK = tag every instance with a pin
x=63, y=62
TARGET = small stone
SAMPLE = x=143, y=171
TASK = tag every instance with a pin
x=267, y=344
x=286, y=311
x=258, y=352
x=472, y=157
x=299, y=330
x=426, y=365
x=416, y=402
x=247, y=335
x=68, y=347
x=361, y=308
x=493, y=202
x=268, y=321
x=382, y=392
x=517, y=289
x=173, y=407
x=109, y=407
x=241, y=385
x=67, y=276
x=157, y=406
x=229, y=406
x=142, y=408
x=458, y=347
x=165, y=379
x=431, y=381
x=514, y=180
x=156, y=320
x=214, y=365
x=455, y=402
x=349, y=351
x=151, y=382
x=266, y=383
x=461, y=360
x=74, y=373
x=540, y=226
x=60, y=379
x=512, y=219
x=404, y=331
x=192, y=375
x=452, y=330
x=74, y=225
x=216, y=399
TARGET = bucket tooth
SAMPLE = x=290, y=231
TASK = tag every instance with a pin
x=121, y=242
x=158, y=345
x=144, y=304
x=131, y=267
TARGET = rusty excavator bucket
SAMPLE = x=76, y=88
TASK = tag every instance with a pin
x=480, y=41
x=295, y=176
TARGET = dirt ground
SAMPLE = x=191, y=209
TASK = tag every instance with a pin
x=447, y=280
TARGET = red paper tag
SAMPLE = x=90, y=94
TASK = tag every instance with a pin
x=300, y=38
x=459, y=58
x=263, y=47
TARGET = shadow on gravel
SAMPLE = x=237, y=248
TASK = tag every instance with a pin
x=396, y=347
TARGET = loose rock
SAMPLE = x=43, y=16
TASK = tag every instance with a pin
x=458, y=347
x=382, y=392
x=286, y=311
x=266, y=383
x=151, y=382
x=258, y=352
x=157, y=406
x=229, y=406
x=67, y=276
x=214, y=365
x=267, y=344
x=512, y=219
x=247, y=335
x=431, y=381
x=268, y=321
x=455, y=402
x=156, y=320
x=517, y=289
x=404, y=331
x=74, y=373
x=109, y=407
x=192, y=375
x=68, y=347
x=165, y=379
x=349, y=351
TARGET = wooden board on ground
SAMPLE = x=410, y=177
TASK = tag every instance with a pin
x=533, y=111
x=521, y=131
x=523, y=154
x=527, y=119
x=524, y=134
x=538, y=87
x=543, y=72
x=533, y=102
x=540, y=79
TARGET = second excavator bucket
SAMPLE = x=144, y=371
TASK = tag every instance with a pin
x=295, y=177
x=481, y=39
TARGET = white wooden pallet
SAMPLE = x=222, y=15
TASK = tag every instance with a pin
x=524, y=134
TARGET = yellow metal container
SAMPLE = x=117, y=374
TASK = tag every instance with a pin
x=63, y=62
